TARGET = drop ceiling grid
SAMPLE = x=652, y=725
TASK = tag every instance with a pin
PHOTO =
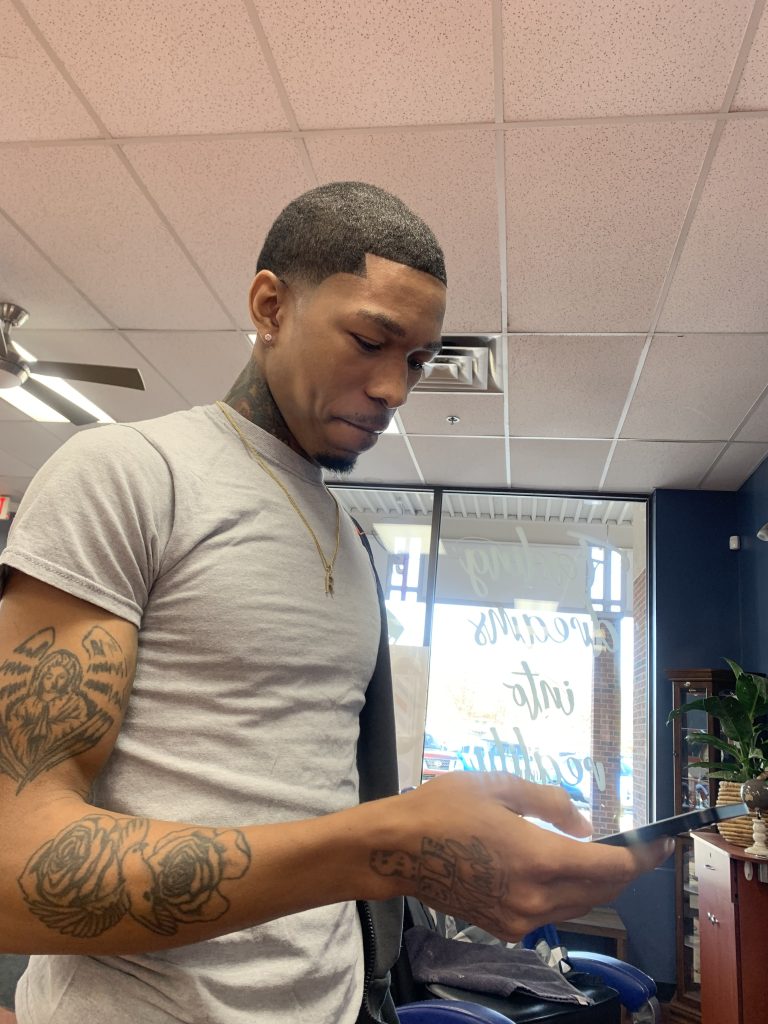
x=439, y=87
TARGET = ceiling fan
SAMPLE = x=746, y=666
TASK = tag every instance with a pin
x=15, y=372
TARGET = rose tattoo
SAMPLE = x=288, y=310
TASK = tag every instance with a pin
x=98, y=870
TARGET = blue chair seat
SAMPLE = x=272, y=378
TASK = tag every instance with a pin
x=437, y=1011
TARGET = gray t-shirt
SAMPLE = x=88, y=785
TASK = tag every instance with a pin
x=245, y=704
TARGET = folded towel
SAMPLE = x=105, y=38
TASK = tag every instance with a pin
x=495, y=970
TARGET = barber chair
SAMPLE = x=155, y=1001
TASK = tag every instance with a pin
x=609, y=982
x=435, y=1011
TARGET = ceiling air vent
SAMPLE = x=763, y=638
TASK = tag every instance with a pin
x=467, y=362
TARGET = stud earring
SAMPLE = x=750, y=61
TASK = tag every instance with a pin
x=267, y=338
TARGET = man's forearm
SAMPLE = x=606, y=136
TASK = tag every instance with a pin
x=89, y=881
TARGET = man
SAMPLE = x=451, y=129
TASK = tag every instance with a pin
x=190, y=848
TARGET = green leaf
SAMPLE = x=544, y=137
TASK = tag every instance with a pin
x=734, y=667
x=731, y=776
x=702, y=739
x=712, y=705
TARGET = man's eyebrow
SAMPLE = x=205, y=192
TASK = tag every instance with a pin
x=382, y=320
x=393, y=327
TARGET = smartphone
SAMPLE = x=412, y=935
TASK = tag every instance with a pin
x=675, y=826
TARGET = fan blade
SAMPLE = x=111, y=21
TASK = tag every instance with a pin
x=119, y=376
x=59, y=404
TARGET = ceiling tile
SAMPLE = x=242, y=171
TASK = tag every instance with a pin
x=14, y=486
x=63, y=431
x=461, y=461
x=599, y=59
x=479, y=415
x=18, y=464
x=719, y=284
x=84, y=210
x=29, y=440
x=552, y=384
x=454, y=191
x=347, y=64
x=735, y=467
x=756, y=427
x=752, y=93
x=697, y=387
x=222, y=197
x=170, y=68
x=593, y=216
x=37, y=102
x=111, y=349
x=202, y=366
x=27, y=279
x=388, y=462
x=557, y=464
x=642, y=466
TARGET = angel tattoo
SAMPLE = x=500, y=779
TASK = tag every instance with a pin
x=54, y=704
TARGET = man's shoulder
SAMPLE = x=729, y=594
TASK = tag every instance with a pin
x=178, y=436
x=180, y=424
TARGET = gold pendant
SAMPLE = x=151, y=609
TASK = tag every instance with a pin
x=329, y=580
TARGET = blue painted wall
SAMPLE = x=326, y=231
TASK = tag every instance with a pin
x=695, y=602
x=753, y=571
x=694, y=586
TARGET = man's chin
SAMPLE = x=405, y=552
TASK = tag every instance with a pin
x=337, y=463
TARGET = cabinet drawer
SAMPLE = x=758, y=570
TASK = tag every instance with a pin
x=720, y=997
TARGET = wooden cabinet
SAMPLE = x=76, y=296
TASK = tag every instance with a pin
x=691, y=791
x=733, y=916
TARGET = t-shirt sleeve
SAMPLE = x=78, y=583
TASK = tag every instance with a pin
x=96, y=519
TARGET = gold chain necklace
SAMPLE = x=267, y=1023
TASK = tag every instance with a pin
x=255, y=455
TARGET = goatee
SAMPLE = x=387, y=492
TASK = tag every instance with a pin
x=337, y=463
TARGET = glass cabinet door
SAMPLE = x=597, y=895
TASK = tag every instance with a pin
x=694, y=783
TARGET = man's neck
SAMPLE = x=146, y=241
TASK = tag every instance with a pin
x=251, y=397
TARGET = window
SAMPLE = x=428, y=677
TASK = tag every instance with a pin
x=536, y=626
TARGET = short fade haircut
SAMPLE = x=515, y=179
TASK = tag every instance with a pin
x=330, y=230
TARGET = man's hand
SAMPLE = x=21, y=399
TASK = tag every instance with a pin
x=474, y=856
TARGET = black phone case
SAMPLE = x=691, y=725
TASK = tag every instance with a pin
x=675, y=826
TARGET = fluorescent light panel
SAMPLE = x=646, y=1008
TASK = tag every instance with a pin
x=31, y=406
x=38, y=409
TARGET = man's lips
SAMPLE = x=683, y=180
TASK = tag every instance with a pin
x=370, y=428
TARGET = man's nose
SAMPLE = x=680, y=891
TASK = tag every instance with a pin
x=389, y=384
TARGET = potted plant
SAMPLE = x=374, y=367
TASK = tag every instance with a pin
x=742, y=717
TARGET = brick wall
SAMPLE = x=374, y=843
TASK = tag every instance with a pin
x=606, y=737
x=640, y=703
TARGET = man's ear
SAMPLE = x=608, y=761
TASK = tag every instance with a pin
x=265, y=298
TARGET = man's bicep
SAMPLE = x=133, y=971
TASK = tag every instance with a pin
x=66, y=670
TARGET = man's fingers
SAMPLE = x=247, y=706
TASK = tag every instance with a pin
x=550, y=803
x=617, y=864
